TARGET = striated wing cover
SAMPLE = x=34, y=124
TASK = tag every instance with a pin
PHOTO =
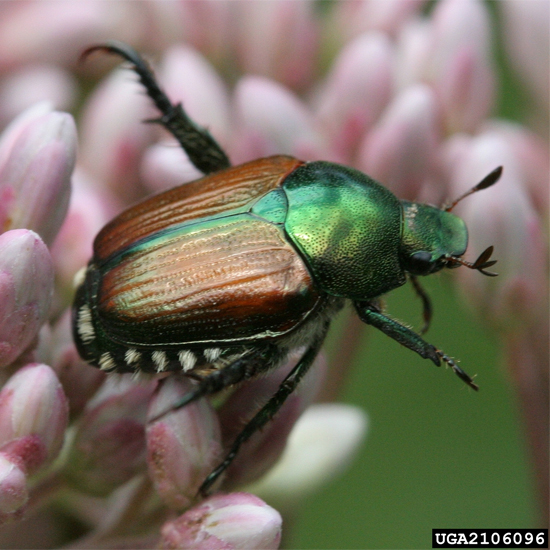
x=219, y=192
x=231, y=278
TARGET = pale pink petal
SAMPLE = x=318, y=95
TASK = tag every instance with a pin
x=271, y=121
x=33, y=417
x=259, y=28
x=26, y=286
x=190, y=79
x=356, y=90
x=460, y=67
x=236, y=521
x=400, y=151
x=183, y=446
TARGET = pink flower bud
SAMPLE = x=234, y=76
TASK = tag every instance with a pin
x=225, y=522
x=90, y=208
x=413, y=50
x=460, y=66
x=259, y=28
x=26, y=285
x=362, y=70
x=190, y=79
x=18, y=125
x=183, y=446
x=348, y=19
x=401, y=149
x=322, y=444
x=286, y=127
x=35, y=176
x=113, y=135
x=109, y=445
x=507, y=220
x=71, y=27
x=526, y=39
x=206, y=25
x=33, y=417
x=532, y=154
x=13, y=488
x=264, y=448
x=164, y=165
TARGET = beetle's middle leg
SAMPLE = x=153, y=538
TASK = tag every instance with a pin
x=201, y=148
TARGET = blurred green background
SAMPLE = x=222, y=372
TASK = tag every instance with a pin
x=437, y=454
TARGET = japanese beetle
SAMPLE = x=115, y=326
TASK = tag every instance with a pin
x=223, y=277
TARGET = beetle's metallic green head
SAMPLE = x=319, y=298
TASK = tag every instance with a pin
x=432, y=239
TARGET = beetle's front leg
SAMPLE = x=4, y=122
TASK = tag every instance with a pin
x=370, y=313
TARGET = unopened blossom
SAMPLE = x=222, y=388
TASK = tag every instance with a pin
x=90, y=209
x=321, y=445
x=183, y=446
x=531, y=154
x=509, y=223
x=26, y=286
x=258, y=31
x=33, y=417
x=37, y=156
x=286, y=127
x=113, y=135
x=108, y=448
x=224, y=522
x=350, y=19
x=24, y=36
x=190, y=79
x=460, y=66
x=13, y=488
x=529, y=58
x=401, y=148
x=361, y=70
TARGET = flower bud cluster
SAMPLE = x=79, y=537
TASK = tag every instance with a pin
x=405, y=94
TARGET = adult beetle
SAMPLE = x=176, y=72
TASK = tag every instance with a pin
x=223, y=277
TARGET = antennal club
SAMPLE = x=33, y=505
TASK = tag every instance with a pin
x=481, y=263
x=487, y=181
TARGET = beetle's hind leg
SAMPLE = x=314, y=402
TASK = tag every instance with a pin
x=245, y=366
x=268, y=411
x=201, y=148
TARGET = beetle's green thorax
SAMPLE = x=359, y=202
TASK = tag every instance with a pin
x=347, y=228
x=435, y=233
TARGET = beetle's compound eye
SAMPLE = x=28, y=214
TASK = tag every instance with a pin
x=420, y=263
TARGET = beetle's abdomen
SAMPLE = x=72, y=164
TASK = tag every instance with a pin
x=347, y=228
